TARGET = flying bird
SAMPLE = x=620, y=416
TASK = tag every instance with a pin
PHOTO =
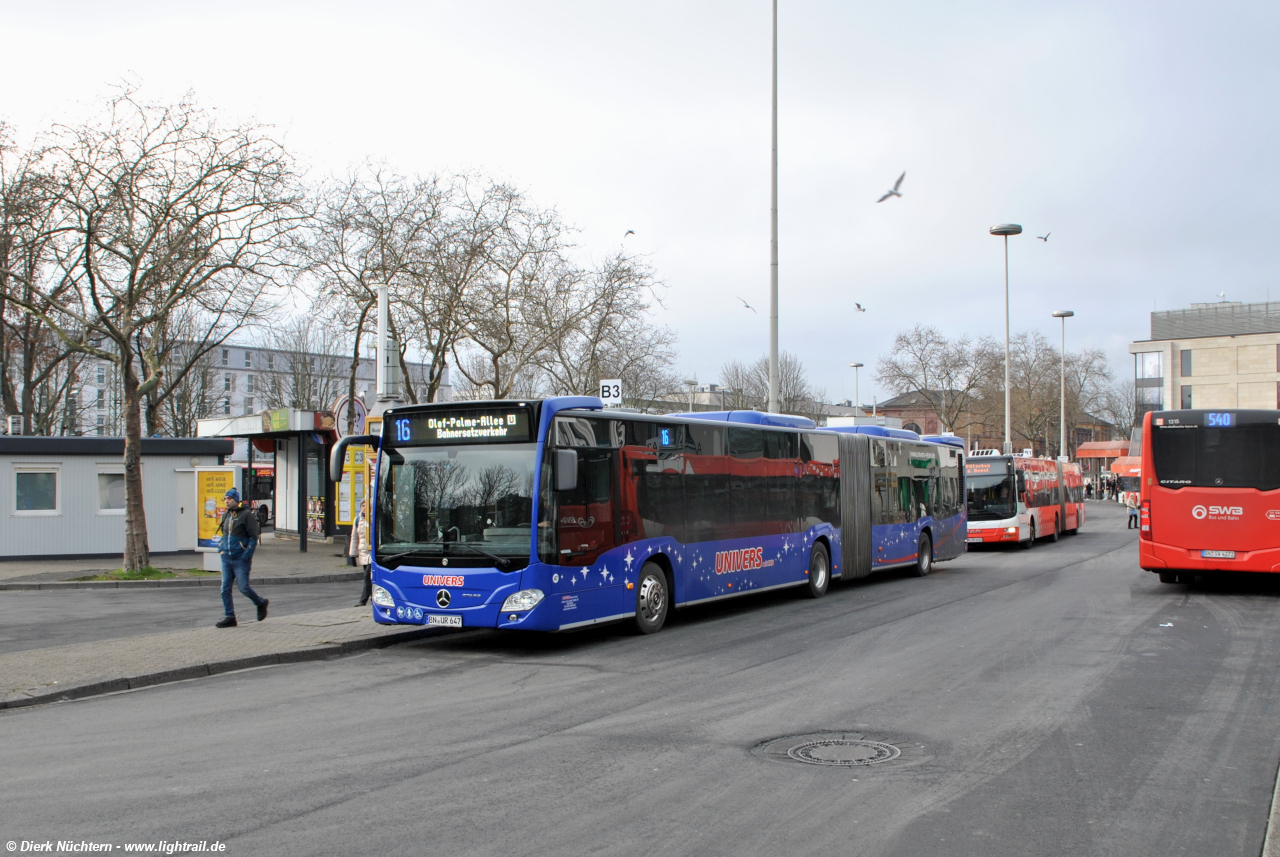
x=894, y=192
x=1045, y=237
x=629, y=232
x=860, y=307
x=748, y=306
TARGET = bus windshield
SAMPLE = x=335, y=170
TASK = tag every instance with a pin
x=991, y=497
x=1241, y=456
x=431, y=500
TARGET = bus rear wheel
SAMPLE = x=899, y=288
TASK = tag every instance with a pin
x=1057, y=530
x=924, y=556
x=819, y=572
x=651, y=599
x=1031, y=542
x=1170, y=577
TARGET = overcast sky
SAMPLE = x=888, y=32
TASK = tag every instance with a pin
x=1142, y=135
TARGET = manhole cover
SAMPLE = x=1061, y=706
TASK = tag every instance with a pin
x=841, y=749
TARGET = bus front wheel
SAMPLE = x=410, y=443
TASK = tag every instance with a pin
x=651, y=599
x=1031, y=542
x=924, y=556
x=819, y=572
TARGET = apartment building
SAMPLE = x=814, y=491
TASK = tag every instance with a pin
x=243, y=379
x=1213, y=355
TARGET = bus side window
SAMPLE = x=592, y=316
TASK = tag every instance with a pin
x=818, y=490
x=782, y=462
x=747, y=477
x=706, y=484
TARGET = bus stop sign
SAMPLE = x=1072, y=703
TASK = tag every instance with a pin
x=611, y=392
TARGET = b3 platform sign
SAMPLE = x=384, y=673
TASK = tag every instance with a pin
x=211, y=484
x=611, y=392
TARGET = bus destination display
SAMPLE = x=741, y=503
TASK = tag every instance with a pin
x=439, y=428
x=1219, y=420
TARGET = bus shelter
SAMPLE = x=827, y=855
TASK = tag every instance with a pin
x=303, y=498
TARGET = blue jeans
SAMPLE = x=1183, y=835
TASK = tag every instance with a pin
x=237, y=569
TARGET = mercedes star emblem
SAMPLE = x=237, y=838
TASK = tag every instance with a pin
x=442, y=598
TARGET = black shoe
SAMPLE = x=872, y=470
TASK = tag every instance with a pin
x=262, y=609
x=361, y=603
x=227, y=622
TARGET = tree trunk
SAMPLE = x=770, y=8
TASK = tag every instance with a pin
x=137, y=554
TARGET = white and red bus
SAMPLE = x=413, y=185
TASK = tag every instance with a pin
x=1210, y=495
x=1018, y=499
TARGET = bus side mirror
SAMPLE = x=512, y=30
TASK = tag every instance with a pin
x=1022, y=482
x=566, y=469
x=338, y=457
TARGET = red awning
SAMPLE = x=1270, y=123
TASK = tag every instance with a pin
x=1103, y=449
x=1130, y=465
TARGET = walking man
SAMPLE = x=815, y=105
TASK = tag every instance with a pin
x=240, y=534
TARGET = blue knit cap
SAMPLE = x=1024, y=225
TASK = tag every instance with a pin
x=232, y=494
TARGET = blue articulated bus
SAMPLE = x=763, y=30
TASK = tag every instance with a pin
x=558, y=514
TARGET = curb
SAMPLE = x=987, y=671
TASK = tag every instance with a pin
x=337, y=577
x=315, y=653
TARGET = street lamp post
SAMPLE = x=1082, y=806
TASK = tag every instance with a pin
x=693, y=386
x=1063, y=314
x=857, y=399
x=773, y=234
x=1005, y=230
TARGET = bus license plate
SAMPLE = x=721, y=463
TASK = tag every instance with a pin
x=440, y=621
x=973, y=539
x=1218, y=554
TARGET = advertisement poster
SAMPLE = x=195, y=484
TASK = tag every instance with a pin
x=211, y=484
x=351, y=488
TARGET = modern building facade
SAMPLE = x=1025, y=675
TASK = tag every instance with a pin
x=237, y=380
x=1213, y=355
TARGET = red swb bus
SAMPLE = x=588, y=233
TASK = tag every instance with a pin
x=1210, y=492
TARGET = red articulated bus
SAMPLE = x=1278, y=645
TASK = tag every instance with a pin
x=1017, y=498
x=1210, y=495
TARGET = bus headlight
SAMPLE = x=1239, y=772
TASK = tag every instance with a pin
x=382, y=597
x=1011, y=530
x=525, y=599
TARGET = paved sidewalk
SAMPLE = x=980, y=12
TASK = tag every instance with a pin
x=89, y=669
x=276, y=561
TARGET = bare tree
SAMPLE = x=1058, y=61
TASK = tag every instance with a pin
x=312, y=348
x=37, y=377
x=750, y=386
x=526, y=299
x=1118, y=406
x=159, y=209
x=375, y=227
x=614, y=338
x=946, y=373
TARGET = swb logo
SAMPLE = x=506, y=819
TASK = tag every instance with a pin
x=1201, y=512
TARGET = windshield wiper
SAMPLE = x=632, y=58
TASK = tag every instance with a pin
x=500, y=560
x=403, y=554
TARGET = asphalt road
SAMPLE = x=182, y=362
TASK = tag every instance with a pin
x=1057, y=701
x=37, y=618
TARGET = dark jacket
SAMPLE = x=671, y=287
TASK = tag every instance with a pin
x=240, y=533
